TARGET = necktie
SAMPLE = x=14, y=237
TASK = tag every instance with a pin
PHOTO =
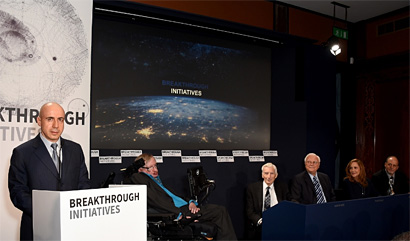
x=391, y=183
x=267, y=199
x=318, y=190
x=55, y=156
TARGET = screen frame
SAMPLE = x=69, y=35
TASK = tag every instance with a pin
x=174, y=19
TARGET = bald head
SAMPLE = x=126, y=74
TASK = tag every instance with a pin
x=391, y=164
x=51, y=121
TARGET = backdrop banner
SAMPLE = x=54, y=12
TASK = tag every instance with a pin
x=45, y=54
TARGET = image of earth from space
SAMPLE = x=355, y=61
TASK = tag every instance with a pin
x=155, y=122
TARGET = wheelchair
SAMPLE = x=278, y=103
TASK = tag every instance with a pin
x=164, y=226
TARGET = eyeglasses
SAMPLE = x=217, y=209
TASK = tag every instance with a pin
x=151, y=168
x=312, y=162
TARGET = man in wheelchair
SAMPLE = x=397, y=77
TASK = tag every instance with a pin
x=162, y=198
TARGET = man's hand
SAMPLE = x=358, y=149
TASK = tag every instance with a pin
x=193, y=208
x=259, y=222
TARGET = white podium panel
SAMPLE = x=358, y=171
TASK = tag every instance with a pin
x=92, y=214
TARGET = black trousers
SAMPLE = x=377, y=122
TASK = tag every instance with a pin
x=218, y=215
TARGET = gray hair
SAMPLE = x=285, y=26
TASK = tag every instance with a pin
x=313, y=154
x=270, y=165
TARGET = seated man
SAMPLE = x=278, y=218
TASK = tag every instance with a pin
x=390, y=181
x=311, y=186
x=262, y=195
x=160, y=197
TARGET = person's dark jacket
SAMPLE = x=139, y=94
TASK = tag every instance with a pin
x=354, y=190
x=302, y=189
x=381, y=182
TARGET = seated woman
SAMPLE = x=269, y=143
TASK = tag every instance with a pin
x=356, y=184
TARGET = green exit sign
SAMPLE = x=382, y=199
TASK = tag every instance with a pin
x=340, y=33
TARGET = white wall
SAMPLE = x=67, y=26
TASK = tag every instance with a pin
x=45, y=56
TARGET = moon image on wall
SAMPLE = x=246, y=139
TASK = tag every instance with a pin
x=43, y=52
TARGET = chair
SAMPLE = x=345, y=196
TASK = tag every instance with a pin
x=164, y=226
x=199, y=185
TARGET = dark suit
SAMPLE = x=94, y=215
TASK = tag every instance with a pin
x=354, y=190
x=381, y=182
x=32, y=168
x=302, y=189
x=160, y=200
x=254, y=202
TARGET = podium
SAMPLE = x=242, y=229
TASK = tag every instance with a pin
x=379, y=218
x=91, y=214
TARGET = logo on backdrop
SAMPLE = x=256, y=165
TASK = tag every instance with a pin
x=76, y=114
x=185, y=88
x=45, y=51
x=88, y=207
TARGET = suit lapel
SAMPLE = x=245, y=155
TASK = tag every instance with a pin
x=158, y=189
x=308, y=181
x=66, y=157
x=259, y=195
x=309, y=184
x=277, y=191
x=323, y=183
x=44, y=156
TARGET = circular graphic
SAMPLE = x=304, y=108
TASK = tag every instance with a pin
x=43, y=52
x=79, y=105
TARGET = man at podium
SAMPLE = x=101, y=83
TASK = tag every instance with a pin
x=46, y=162
x=311, y=186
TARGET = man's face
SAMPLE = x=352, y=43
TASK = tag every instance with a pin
x=150, y=167
x=268, y=174
x=391, y=165
x=51, y=121
x=312, y=164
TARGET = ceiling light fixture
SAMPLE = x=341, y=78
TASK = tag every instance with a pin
x=333, y=42
x=334, y=45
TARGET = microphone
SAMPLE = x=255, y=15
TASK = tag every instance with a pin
x=109, y=180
